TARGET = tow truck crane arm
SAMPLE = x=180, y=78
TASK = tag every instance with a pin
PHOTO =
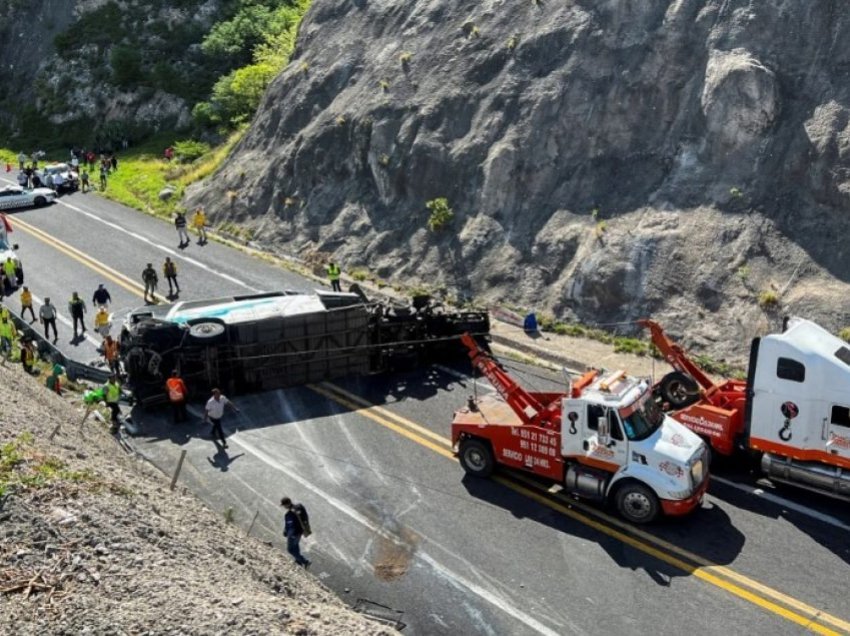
x=676, y=356
x=530, y=410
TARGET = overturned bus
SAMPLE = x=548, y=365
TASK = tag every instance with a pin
x=272, y=340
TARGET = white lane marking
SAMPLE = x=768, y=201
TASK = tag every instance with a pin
x=785, y=503
x=65, y=321
x=495, y=599
x=163, y=248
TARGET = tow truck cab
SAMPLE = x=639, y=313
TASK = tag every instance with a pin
x=619, y=445
x=799, y=410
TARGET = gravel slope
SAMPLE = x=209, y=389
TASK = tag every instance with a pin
x=92, y=541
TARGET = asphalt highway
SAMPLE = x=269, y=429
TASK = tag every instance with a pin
x=399, y=531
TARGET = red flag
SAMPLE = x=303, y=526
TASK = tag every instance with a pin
x=6, y=224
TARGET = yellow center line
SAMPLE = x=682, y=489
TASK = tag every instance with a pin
x=92, y=263
x=705, y=570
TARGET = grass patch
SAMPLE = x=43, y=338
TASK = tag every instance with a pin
x=844, y=334
x=768, y=298
x=24, y=467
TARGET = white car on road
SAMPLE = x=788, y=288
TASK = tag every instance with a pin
x=12, y=197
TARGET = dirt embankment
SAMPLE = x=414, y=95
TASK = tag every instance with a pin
x=94, y=542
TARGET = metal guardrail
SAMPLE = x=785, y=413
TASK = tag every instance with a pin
x=73, y=370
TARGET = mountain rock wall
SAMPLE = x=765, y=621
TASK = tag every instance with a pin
x=605, y=160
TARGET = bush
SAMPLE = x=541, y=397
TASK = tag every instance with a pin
x=236, y=96
x=189, y=150
x=126, y=65
x=441, y=213
x=768, y=298
x=844, y=334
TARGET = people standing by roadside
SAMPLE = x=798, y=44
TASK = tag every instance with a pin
x=11, y=274
x=77, y=309
x=85, y=186
x=102, y=322
x=182, y=234
x=214, y=411
x=112, y=396
x=90, y=158
x=199, y=222
x=150, y=279
x=101, y=297
x=111, y=352
x=169, y=270
x=22, y=160
x=26, y=303
x=177, y=394
x=113, y=161
x=296, y=524
x=28, y=355
x=8, y=333
x=58, y=182
x=333, y=276
x=47, y=316
x=103, y=172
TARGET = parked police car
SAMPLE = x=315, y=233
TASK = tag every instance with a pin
x=12, y=197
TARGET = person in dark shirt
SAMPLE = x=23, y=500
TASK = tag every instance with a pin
x=296, y=524
x=101, y=296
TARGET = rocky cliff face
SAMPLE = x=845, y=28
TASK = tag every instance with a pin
x=604, y=160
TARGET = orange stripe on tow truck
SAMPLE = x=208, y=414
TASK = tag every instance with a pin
x=805, y=455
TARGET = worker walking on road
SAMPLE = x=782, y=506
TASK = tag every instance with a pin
x=177, y=394
x=112, y=395
x=77, y=309
x=26, y=303
x=199, y=222
x=110, y=354
x=214, y=411
x=47, y=316
x=182, y=234
x=150, y=280
x=102, y=322
x=296, y=524
x=333, y=276
x=101, y=297
x=169, y=270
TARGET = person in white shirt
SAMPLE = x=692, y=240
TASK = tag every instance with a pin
x=58, y=181
x=214, y=411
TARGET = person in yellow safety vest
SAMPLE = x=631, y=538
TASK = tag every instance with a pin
x=112, y=394
x=199, y=222
x=9, y=271
x=333, y=276
x=8, y=333
x=26, y=303
x=102, y=322
x=110, y=353
x=27, y=355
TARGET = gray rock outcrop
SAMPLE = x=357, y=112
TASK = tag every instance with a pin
x=604, y=160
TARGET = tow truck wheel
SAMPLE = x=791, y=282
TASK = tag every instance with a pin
x=637, y=503
x=476, y=458
x=679, y=389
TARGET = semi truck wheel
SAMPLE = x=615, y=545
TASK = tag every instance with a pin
x=679, y=390
x=476, y=458
x=637, y=503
